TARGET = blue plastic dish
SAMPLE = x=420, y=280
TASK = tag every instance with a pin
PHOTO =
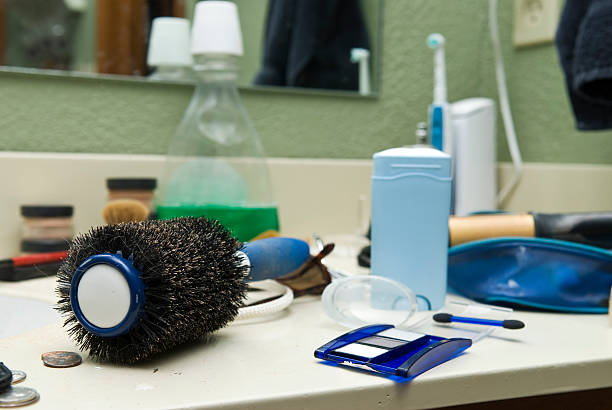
x=533, y=273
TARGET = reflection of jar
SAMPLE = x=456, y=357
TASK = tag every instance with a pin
x=140, y=189
x=46, y=228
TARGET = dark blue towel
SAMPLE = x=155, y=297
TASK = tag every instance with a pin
x=584, y=42
x=308, y=44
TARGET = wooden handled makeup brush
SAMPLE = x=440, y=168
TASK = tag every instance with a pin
x=124, y=210
x=591, y=228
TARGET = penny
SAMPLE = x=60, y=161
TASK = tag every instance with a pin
x=18, y=396
x=61, y=359
x=18, y=376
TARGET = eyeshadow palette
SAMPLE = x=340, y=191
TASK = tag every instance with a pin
x=391, y=351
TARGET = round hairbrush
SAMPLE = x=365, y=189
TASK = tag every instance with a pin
x=132, y=290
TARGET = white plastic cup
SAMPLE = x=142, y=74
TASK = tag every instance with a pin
x=216, y=29
x=169, y=43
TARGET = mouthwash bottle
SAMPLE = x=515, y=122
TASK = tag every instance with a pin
x=216, y=165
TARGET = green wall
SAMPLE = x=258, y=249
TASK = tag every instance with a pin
x=60, y=114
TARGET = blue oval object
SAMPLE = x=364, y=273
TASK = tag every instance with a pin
x=535, y=273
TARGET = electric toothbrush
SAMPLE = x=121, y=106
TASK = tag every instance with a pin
x=439, y=111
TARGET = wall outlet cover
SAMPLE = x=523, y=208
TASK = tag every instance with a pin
x=535, y=22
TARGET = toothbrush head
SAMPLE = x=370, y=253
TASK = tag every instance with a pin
x=357, y=54
x=435, y=40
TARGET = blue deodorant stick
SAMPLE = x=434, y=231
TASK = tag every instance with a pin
x=411, y=198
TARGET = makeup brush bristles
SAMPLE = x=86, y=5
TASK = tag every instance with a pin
x=194, y=284
x=124, y=210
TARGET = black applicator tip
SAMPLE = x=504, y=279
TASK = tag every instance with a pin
x=443, y=317
x=513, y=324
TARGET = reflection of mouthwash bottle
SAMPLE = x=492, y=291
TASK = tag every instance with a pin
x=215, y=165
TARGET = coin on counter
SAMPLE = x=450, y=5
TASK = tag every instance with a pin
x=61, y=359
x=18, y=376
x=18, y=396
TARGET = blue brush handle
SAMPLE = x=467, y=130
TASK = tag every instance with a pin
x=274, y=257
x=477, y=321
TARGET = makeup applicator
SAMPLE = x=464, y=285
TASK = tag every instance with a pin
x=133, y=290
x=507, y=324
x=124, y=210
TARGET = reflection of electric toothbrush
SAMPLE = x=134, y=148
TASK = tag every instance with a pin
x=439, y=111
x=361, y=56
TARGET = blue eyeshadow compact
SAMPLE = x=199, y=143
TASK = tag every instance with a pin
x=391, y=351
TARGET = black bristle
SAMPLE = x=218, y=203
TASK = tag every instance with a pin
x=443, y=317
x=194, y=284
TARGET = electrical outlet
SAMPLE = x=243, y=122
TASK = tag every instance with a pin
x=535, y=22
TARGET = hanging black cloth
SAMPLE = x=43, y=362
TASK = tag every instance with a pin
x=585, y=51
x=308, y=44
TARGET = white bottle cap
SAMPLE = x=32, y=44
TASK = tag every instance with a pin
x=169, y=43
x=216, y=29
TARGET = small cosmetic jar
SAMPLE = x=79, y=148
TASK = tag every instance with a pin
x=141, y=189
x=46, y=228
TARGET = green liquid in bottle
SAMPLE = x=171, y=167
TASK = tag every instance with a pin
x=244, y=222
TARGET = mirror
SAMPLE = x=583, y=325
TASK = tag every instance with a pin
x=291, y=44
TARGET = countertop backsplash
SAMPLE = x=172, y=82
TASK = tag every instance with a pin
x=323, y=196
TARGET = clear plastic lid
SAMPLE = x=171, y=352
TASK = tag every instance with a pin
x=360, y=300
x=356, y=301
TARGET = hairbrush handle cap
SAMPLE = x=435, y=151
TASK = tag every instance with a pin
x=107, y=294
x=273, y=257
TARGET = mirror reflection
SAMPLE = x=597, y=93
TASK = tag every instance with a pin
x=331, y=44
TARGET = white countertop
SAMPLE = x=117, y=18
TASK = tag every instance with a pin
x=270, y=365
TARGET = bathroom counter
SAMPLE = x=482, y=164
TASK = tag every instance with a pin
x=270, y=365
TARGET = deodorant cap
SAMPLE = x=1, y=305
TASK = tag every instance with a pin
x=423, y=159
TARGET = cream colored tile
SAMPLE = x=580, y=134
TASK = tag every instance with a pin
x=325, y=196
